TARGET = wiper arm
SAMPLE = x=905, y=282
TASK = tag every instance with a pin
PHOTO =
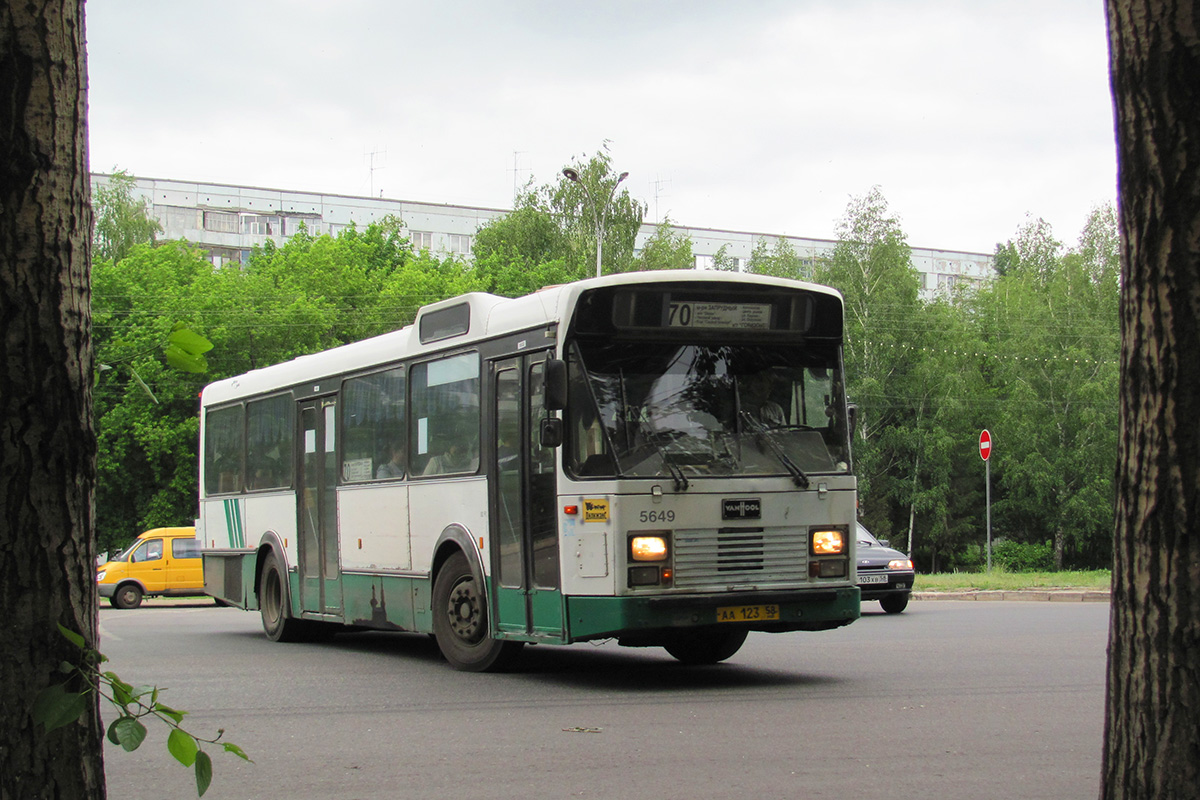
x=798, y=476
x=681, y=481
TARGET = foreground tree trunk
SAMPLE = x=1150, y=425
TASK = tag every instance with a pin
x=47, y=442
x=1152, y=720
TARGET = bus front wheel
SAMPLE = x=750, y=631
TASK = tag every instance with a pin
x=706, y=647
x=460, y=621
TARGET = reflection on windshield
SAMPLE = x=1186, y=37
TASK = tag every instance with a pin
x=657, y=409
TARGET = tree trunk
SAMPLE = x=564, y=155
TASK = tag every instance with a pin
x=1152, y=719
x=47, y=440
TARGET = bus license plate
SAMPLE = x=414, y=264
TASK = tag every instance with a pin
x=747, y=613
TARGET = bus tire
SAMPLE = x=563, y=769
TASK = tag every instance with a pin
x=277, y=619
x=128, y=595
x=460, y=621
x=707, y=646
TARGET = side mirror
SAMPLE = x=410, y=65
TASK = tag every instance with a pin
x=550, y=434
x=852, y=417
x=556, y=384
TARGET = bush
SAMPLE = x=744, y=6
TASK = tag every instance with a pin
x=1020, y=557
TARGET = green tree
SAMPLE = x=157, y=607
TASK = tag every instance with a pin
x=1051, y=340
x=723, y=261
x=309, y=294
x=778, y=260
x=666, y=250
x=871, y=266
x=145, y=410
x=121, y=221
x=550, y=237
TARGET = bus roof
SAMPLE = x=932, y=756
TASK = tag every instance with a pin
x=490, y=315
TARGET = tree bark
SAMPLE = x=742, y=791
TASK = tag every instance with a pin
x=1152, y=717
x=47, y=440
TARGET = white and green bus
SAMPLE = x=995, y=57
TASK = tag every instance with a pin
x=657, y=458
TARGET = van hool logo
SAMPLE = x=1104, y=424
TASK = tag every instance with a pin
x=741, y=508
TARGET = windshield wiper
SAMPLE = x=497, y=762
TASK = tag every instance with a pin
x=798, y=476
x=651, y=436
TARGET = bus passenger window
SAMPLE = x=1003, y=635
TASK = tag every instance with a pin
x=223, y=451
x=445, y=416
x=270, y=430
x=373, y=433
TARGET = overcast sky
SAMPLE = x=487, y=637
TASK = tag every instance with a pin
x=752, y=115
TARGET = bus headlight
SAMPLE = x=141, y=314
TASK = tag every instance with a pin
x=648, y=548
x=100, y=575
x=830, y=542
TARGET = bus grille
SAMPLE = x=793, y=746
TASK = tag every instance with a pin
x=721, y=557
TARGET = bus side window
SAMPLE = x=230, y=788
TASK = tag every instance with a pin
x=223, y=450
x=270, y=430
x=445, y=416
x=373, y=433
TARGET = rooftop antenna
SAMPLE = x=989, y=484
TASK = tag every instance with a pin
x=516, y=172
x=371, y=155
x=658, y=184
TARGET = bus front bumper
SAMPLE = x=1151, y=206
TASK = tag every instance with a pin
x=632, y=618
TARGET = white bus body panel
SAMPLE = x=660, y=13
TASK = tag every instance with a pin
x=373, y=522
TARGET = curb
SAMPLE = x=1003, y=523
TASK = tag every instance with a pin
x=1027, y=595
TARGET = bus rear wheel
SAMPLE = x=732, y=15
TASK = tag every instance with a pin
x=706, y=647
x=460, y=621
x=277, y=620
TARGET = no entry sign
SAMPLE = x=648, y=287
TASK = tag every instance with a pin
x=985, y=445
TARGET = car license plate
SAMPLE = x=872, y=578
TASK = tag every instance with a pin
x=872, y=579
x=747, y=613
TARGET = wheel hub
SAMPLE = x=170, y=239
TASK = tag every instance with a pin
x=464, y=611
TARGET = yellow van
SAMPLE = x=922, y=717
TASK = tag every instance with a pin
x=163, y=561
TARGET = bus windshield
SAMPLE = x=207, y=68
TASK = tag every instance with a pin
x=674, y=410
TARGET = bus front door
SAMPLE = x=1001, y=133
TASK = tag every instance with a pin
x=524, y=531
x=316, y=500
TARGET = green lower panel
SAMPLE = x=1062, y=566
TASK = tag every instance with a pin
x=545, y=607
x=603, y=617
x=510, y=610
x=386, y=602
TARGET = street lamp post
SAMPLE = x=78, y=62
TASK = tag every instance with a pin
x=599, y=216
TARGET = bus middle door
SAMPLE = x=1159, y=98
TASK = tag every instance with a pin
x=523, y=491
x=316, y=505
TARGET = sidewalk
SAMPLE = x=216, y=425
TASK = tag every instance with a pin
x=1053, y=595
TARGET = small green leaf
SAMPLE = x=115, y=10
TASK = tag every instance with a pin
x=128, y=732
x=167, y=711
x=187, y=362
x=55, y=707
x=188, y=340
x=122, y=691
x=183, y=746
x=230, y=747
x=73, y=637
x=203, y=772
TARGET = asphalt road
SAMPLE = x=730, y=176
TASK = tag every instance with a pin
x=948, y=700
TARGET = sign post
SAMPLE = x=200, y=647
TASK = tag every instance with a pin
x=985, y=452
